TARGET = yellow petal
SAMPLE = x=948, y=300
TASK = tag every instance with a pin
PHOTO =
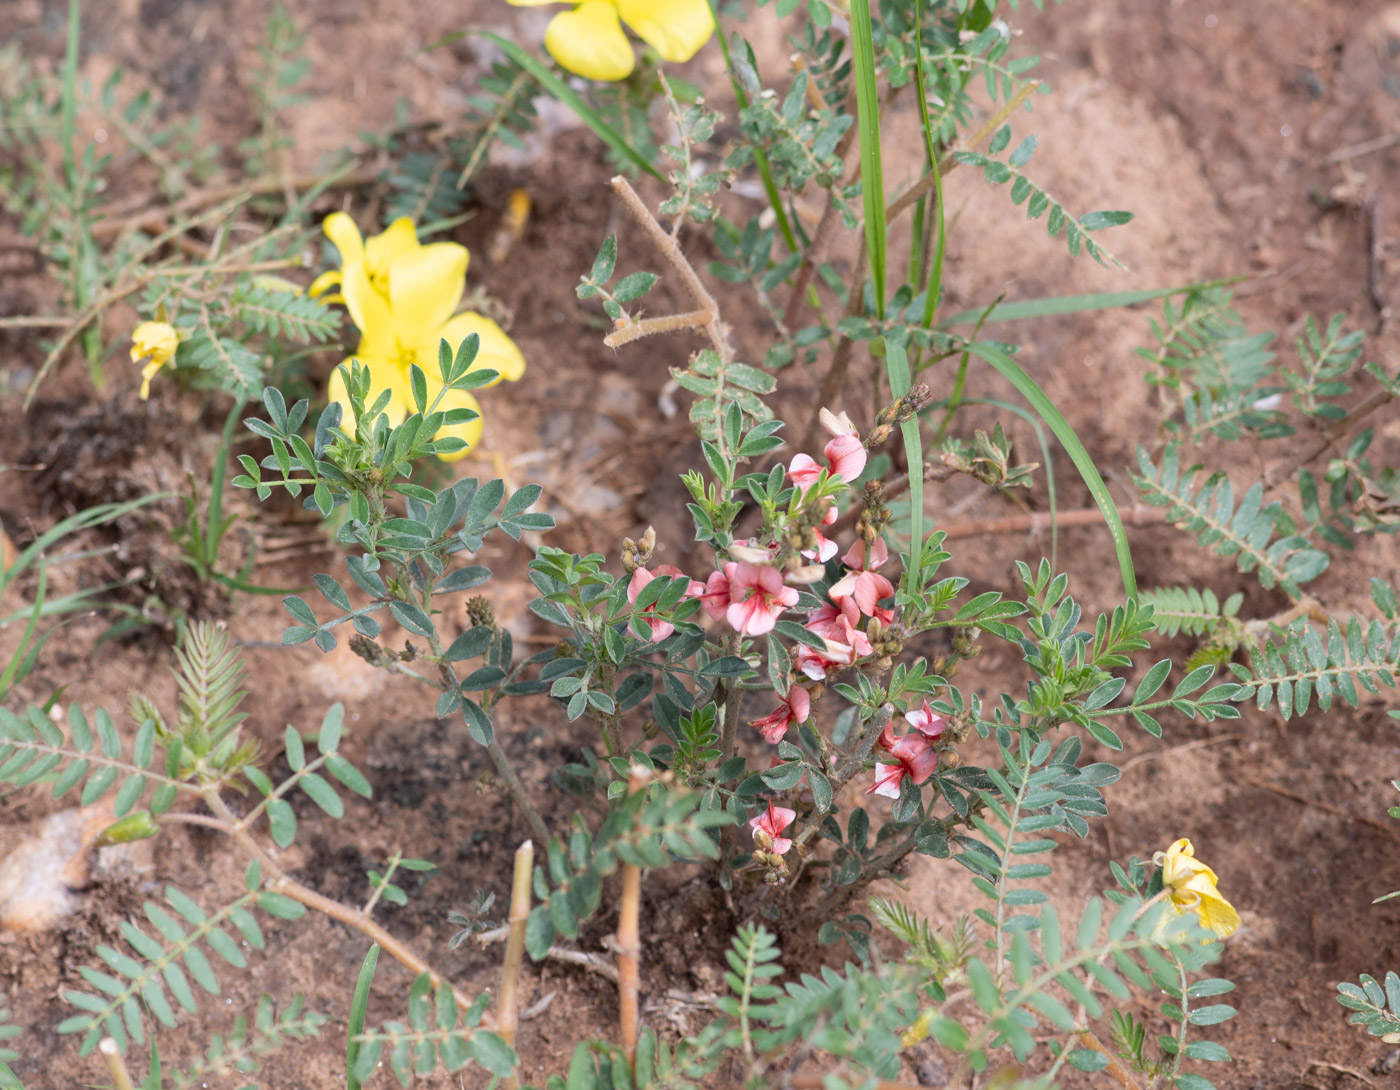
x=323, y=282
x=589, y=42
x=399, y=238
x=498, y=351
x=147, y=373
x=425, y=287
x=154, y=340
x=469, y=432
x=341, y=230
x=383, y=374
x=1219, y=915
x=674, y=28
x=369, y=310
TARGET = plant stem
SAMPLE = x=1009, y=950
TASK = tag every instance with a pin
x=854, y=762
x=1115, y=1068
x=276, y=879
x=732, y=693
x=671, y=251
x=507, y=1017
x=629, y=945
x=121, y=1077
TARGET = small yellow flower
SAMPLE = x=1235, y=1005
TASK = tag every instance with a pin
x=588, y=39
x=1191, y=886
x=401, y=295
x=154, y=342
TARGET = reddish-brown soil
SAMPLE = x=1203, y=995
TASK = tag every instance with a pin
x=1224, y=126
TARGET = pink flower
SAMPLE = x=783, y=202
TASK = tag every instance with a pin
x=862, y=583
x=756, y=597
x=829, y=617
x=794, y=709
x=773, y=821
x=843, y=643
x=914, y=756
x=715, y=598
x=845, y=454
x=641, y=577
x=926, y=721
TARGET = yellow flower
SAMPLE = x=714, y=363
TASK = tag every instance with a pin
x=401, y=295
x=588, y=39
x=154, y=342
x=1191, y=886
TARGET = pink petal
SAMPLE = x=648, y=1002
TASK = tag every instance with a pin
x=804, y=471
x=715, y=597
x=799, y=702
x=887, y=781
x=845, y=455
x=640, y=578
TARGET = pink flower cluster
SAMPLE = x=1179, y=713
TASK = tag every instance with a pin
x=751, y=597
x=914, y=753
x=641, y=577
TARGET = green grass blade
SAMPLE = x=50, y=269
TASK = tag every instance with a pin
x=1046, y=410
x=872, y=175
x=83, y=520
x=356, y=1026
x=24, y=650
x=934, y=287
x=897, y=369
x=1054, y=305
x=570, y=98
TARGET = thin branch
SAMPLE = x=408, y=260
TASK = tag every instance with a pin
x=629, y=944
x=1115, y=1067
x=507, y=1017
x=670, y=249
x=276, y=879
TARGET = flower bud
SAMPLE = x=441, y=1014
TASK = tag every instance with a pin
x=139, y=825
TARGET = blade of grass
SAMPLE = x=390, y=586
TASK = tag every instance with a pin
x=23, y=651
x=570, y=98
x=1053, y=305
x=1046, y=410
x=760, y=157
x=934, y=287
x=872, y=176
x=356, y=1026
x=83, y=520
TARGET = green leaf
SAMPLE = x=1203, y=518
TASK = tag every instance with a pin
x=359, y=1004
x=1052, y=416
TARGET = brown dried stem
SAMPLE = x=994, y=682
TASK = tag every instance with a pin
x=507, y=1016
x=670, y=249
x=629, y=943
x=276, y=879
x=116, y=1066
x=1115, y=1067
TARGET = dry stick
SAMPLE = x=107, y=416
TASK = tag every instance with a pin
x=1042, y=520
x=1334, y=434
x=115, y=1064
x=637, y=328
x=204, y=198
x=507, y=1018
x=1336, y=811
x=1114, y=1067
x=671, y=251
x=629, y=943
x=280, y=882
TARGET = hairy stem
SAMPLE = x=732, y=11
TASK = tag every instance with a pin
x=629, y=944
x=670, y=249
x=507, y=1016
